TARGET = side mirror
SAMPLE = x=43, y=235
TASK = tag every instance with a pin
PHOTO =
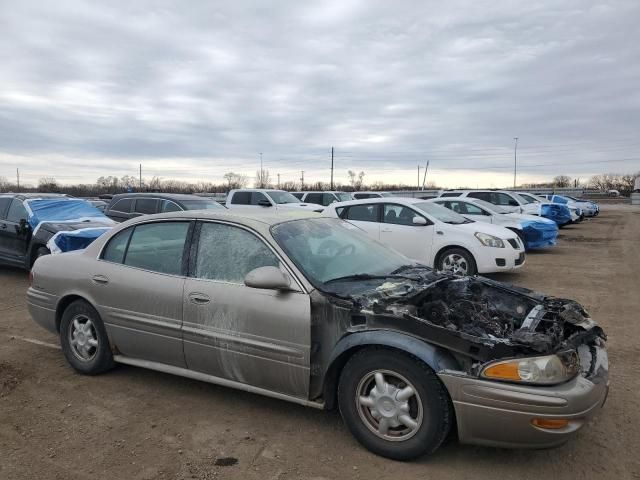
x=264, y=203
x=269, y=278
x=419, y=220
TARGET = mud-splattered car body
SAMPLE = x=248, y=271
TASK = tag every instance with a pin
x=319, y=294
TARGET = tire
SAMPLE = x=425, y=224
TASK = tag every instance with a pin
x=466, y=259
x=92, y=354
x=429, y=407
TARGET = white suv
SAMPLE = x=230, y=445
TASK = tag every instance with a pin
x=323, y=198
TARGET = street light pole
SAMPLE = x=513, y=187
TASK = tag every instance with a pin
x=515, y=161
x=261, y=173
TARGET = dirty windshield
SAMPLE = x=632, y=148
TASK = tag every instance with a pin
x=491, y=207
x=441, y=213
x=282, y=197
x=329, y=250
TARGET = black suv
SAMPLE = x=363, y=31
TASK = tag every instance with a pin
x=18, y=246
x=128, y=205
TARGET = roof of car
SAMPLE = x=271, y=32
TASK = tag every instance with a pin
x=34, y=195
x=248, y=217
x=169, y=196
x=364, y=201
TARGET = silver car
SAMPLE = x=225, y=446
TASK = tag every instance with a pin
x=313, y=311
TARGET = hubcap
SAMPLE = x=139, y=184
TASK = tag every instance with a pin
x=83, y=338
x=389, y=405
x=454, y=263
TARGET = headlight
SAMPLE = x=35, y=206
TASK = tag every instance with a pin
x=548, y=370
x=489, y=240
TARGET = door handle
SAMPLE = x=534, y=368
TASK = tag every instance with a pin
x=386, y=230
x=100, y=279
x=199, y=298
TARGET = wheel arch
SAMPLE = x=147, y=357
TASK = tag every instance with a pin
x=436, y=258
x=64, y=302
x=435, y=357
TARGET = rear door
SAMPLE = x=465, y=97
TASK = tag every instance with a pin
x=399, y=232
x=120, y=210
x=253, y=336
x=145, y=206
x=138, y=286
x=366, y=216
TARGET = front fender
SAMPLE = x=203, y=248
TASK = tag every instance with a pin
x=437, y=358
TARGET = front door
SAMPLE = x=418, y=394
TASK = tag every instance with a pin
x=400, y=233
x=13, y=242
x=138, y=287
x=253, y=336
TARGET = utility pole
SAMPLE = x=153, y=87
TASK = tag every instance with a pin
x=418, y=177
x=424, y=179
x=18, y=178
x=302, y=180
x=515, y=161
x=331, y=168
x=140, y=184
x=261, y=173
x=278, y=181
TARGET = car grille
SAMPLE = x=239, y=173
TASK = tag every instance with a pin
x=514, y=243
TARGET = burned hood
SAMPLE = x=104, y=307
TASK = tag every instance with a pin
x=475, y=316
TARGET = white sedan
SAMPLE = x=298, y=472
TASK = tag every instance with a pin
x=433, y=235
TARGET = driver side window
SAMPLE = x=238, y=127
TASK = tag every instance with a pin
x=226, y=253
x=16, y=211
x=398, y=215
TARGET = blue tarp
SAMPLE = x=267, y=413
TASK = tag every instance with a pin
x=556, y=212
x=72, y=211
x=538, y=234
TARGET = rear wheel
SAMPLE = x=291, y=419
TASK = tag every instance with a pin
x=394, y=404
x=84, y=339
x=457, y=261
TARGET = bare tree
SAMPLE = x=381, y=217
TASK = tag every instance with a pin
x=290, y=186
x=562, y=181
x=129, y=182
x=263, y=179
x=48, y=184
x=356, y=179
x=235, y=180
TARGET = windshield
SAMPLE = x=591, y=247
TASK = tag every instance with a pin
x=201, y=204
x=441, y=213
x=326, y=249
x=344, y=197
x=282, y=197
x=491, y=207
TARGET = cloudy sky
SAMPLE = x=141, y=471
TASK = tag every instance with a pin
x=195, y=89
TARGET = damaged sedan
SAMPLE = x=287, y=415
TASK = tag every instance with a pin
x=313, y=311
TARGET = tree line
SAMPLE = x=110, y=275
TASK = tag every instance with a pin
x=263, y=179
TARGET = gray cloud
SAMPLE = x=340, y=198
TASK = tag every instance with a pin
x=195, y=89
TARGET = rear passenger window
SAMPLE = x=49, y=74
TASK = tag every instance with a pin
x=146, y=206
x=486, y=196
x=241, y=198
x=158, y=247
x=123, y=205
x=363, y=213
x=314, y=198
x=227, y=253
x=114, y=251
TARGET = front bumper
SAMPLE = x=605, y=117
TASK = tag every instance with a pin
x=490, y=259
x=500, y=414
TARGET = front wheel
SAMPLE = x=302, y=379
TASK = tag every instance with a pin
x=84, y=339
x=394, y=404
x=456, y=261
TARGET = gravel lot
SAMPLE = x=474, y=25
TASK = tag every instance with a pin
x=136, y=424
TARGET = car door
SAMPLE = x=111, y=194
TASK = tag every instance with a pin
x=120, y=210
x=138, y=285
x=399, y=232
x=252, y=336
x=5, y=235
x=14, y=240
x=145, y=206
x=366, y=216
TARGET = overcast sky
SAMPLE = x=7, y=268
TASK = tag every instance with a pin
x=194, y=89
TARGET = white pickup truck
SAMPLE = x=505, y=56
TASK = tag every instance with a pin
x=267, y=199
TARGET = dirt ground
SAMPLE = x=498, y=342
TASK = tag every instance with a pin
x=136, y=424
